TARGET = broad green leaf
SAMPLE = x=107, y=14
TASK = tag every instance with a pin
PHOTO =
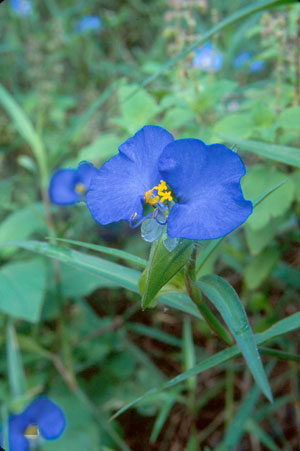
x=22, y=289
x=239, y=123
x=289, y=118
x=227, y=302
x=108, y=271
x=103, y=148
x=260, y=178
x=283, y=154
x=26, y=130
x=260, y=267
x=137, y=110
x=258, y=240
x=16, y=375
x=163, y=265
x=281, y=327
x=20, y=224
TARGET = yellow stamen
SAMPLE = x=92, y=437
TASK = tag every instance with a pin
x=32, y=431
x=80, y=188
x=161, y=195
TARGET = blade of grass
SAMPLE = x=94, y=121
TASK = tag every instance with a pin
x=26, y=130
x=281, y=327
x=283, y=154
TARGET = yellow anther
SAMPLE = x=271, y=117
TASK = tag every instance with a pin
x=161, y=195
x=32, y=431
x=80, y=188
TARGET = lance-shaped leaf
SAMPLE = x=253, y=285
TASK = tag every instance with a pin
x=227, y=302
x=163, y=266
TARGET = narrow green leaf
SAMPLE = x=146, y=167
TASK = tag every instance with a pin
x=108, y=250
x=26, y=130
x=112, y=272
x=16, y=375
x=22, y=289
x=253, y=428
x=163, y=265
x=162, y=416
x=281, y=327
x=227, y=302
x=283, y=154
x=188, y=351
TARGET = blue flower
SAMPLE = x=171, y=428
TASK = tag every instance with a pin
x=257, y=66
x=68, y=186
x=44, y=415
x=244, y=58
x=89, y=23
x=206, y=182
x=118, y=190
x=208, y=58
x=22, y=7
x=151, y=168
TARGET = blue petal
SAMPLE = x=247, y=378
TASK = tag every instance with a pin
x=242, y=59
x=257, y=66
x=62, y=187
x=117, y=191
x=17, y=441
x=208, y=58
x=48, y=417
x=89, y=23
x=206, y=181
x=85, y=173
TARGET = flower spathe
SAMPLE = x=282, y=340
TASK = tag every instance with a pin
x=42, y=413
x=118, y=190
x=68, y=186
x=152, y=168
x=206, y=182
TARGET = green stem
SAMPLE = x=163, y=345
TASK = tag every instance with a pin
x=210, y=318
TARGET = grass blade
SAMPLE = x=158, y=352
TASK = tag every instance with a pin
x=283, y=154
x=227, y=302
x=281, y=327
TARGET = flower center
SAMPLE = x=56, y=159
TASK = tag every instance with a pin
x=158, y=193
x=80, y=188
x=32, y=431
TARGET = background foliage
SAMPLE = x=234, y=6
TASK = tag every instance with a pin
x=72, y=325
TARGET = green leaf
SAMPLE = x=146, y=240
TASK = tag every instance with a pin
x=258, y=240
x=109, y=251
x=260, y=267
x=138, y=110
x=26, y=130
x=103, y=148
x=163, y=265
x=22, y=289
x=109, y=272
x=227, y=302
x=281, y=327
x=188, y=351
x=20, y=225
x=288, y=119
x=260, y=178
x=16, y=375
x=283, y=154
x=240, y=124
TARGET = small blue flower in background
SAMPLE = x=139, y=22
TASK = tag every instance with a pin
x=208, y=58
x=151, y=166
x=244, y=58
x=43, y=415
x=68, y=186
x=22, y=7
x=88, y=23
